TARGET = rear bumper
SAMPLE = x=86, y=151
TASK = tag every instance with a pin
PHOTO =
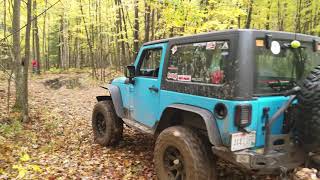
x=255, y=160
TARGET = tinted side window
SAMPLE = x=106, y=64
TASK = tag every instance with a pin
x=150, y=62
x=199, y=62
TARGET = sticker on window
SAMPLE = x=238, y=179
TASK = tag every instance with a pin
x=225, y=46
x=200, y=44
x=225, y=53
x=174, y=49
x=172, y=76
x=275, y=47
x=211, y=45
x=186, y=78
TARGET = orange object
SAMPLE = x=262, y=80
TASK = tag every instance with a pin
x=259, y=43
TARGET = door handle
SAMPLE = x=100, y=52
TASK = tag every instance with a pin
x=153, y=88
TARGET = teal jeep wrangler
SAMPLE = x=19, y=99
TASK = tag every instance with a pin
x=249, y=97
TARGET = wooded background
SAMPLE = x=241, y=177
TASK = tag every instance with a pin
x=106, y=34
x=103, y=33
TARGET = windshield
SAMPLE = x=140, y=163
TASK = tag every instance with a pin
x=280, y=68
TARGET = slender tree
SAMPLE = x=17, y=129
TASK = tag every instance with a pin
x=16, y=53
x=136, y=27
x=4, y=18
x=249, y=16
x=35, y=35
x=26, y=64
x=147, y=21
x=44, y=42
x=88, y=41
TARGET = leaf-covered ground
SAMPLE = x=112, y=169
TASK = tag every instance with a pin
x=58, y=143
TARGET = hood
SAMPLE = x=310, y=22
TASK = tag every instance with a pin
x=119, y=80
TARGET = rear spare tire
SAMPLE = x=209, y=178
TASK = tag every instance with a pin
x=309, y=111
x=107, y=126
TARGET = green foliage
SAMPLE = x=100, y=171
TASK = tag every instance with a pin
x=11, y=129
x=55, y=70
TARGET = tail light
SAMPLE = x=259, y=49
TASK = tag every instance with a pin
x=243, y=115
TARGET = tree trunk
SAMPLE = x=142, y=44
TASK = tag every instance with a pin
x=146, y=21
x=48, y=43
x=152, y=24
x=126, y=33
x=77, y=44
x=61, y=57
x=16, y=53
x=36, y=41
x=298, y=17
x=44, y=48
x=123, y=51
x=65, y=43
x=100, y=40
x=4, y=18
x=250, y=9
x=89, y=42
x=21, y=68
x=136, y=28
x=268, y=15
x=26, y=64
x=281, y=10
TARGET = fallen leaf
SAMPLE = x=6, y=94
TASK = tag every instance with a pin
x=25, y=157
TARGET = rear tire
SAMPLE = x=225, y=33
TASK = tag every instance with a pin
x=181, y=154
x=107, y=126
x=309, y=109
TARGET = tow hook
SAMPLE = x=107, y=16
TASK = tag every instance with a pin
x=284, y=175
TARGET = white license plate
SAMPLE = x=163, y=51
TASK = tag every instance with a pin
x=242, y=140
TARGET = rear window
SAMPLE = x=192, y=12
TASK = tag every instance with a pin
x=280, y=68
x=202, y=62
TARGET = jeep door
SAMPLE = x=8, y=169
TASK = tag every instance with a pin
x=146, y=88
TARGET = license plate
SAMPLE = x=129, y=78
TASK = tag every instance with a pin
x=242, y=140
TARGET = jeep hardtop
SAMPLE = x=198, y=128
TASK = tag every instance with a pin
x=249, y=97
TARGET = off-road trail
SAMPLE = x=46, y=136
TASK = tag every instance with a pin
x=58, y=142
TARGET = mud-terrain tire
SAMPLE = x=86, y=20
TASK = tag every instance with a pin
x=181, y=148
x=309, y=110
x=107, y=126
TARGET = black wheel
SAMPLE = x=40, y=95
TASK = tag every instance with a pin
x=107, y=126
x=309, y=110
x=181, y=154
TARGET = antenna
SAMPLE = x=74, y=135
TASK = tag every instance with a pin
x=296, y=22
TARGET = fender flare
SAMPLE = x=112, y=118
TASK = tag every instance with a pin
x=208, y=118
x=115, y=97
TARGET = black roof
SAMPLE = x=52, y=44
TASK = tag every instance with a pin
x=232, y=31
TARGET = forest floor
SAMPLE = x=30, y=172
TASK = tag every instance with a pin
x=58, y=143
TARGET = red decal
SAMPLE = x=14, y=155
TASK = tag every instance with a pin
x=184, y=77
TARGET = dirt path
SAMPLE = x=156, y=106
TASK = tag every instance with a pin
x=59, y=139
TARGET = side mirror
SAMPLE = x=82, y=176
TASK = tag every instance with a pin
x=130, y=73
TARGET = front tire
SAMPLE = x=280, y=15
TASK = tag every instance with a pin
x=107, y=126
x=181, y=154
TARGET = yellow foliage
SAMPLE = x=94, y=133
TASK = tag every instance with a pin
x=21, y=171
x=36, y=168
x=24, y=157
